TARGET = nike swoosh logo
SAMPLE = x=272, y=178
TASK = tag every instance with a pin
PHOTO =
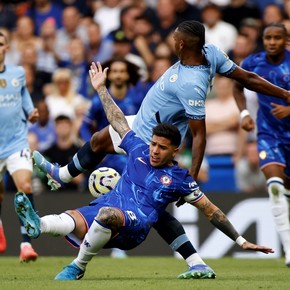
x=141, y=160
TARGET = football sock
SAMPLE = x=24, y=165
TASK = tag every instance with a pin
x=95, y=239
x=83, y=160
x=25, y=237
x=57, y=225
x=194, y=259
x=280, y=210
x=171, y=230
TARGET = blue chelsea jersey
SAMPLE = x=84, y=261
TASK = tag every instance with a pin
x=150, y=189
x=180, y=93
x=15, y=107
x=279, y=75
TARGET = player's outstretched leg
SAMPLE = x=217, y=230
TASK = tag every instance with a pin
x=27, y=214
x=198, y=272
x=51, y=170
x=70, y=272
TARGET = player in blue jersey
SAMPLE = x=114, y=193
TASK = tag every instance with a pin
x=273, y=125
x=16, y=108
x=122, y=79
x=123, y=217
x=178, y=97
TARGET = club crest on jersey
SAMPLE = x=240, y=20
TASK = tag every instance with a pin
x=166, y=180
x=15, y=82
x=3, y=83
x=173, y=78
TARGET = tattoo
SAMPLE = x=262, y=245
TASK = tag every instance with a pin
x=110, y=217
x=221, y=222
x=114, y=115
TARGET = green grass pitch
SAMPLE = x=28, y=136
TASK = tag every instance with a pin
x=144, y=273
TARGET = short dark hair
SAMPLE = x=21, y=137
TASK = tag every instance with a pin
x=193, y=28
x=168, y=131
x=278, y=25
x=62, y=118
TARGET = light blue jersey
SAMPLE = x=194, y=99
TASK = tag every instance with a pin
x=15, y=107
x=180, y=93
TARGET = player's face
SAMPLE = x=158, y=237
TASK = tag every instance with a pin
x=177, y=42
x=118, y=73
x=274, y=40
x=161, y=152
x=3, y=48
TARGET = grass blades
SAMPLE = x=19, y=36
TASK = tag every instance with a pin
x=144, y=273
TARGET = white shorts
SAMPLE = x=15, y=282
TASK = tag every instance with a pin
x=115, y=137
x=17, y=161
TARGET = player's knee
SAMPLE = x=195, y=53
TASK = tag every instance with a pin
x=25, y=187
x=101, y=141
x=97, y=142
x=276, y=188
x=110, y=217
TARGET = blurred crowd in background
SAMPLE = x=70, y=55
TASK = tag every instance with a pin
x=56, y=41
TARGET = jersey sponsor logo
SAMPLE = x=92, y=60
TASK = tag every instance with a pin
x=196, y=103
x=9, y=100
x=141, y=160
x=3, y=83
x=166, y=180
x=173, y=78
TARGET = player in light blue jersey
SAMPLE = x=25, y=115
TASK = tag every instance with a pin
x=16, y=108
x=123, y=217
x=273, y=125
x=188, y=82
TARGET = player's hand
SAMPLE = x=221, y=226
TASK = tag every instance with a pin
x=247, y=123
x=253, y=247
x=280, y=111
x=98, y=75
x=34, y=115
x=288, y=100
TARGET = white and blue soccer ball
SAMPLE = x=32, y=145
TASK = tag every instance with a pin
x=102, y=180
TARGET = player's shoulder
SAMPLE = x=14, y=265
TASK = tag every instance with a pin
x=212, y=49
x=287, y=54
x=255, y=58
x=14, y=68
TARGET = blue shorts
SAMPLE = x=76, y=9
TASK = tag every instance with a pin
x=133, y=232
x=273, y=151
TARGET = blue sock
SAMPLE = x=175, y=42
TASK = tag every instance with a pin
x=84, y=159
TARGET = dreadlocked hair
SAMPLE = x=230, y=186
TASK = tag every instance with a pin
x=193, y=28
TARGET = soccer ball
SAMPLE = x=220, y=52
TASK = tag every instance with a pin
x=102, y=180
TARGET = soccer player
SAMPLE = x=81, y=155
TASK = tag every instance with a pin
x=178, y=97
x=16, y=108
x=123, y=217
x=121, y=81
x=273, y=125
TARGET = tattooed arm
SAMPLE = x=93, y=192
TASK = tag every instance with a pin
x=114, y=115
x=221, y=222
